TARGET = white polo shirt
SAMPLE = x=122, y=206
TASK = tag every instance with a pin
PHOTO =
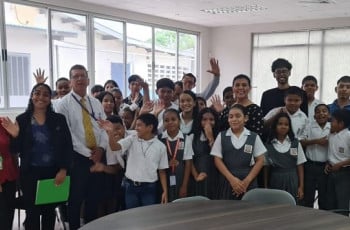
x=258, y=150
x=187, y=147
x=284, y=147
x=299, y=121
x=314, y=131
x=144, y=159
x=339, y=147
x=115, y=157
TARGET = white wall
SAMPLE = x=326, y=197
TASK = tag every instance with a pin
x=232, y=45
x=137, y=17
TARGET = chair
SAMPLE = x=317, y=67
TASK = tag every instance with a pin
x=190, y=198
x=269, y=196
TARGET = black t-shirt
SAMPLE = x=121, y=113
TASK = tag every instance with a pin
x=273, y=98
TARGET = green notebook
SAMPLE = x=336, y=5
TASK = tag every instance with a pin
x=47, y=192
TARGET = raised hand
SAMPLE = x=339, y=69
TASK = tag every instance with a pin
x=106, y=125
x=216, y=103
x=11, y=127
x=215, y=68
x=158, y=107
x=147, y=107
x=39, y=76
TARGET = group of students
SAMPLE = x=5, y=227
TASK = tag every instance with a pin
x=145, y=152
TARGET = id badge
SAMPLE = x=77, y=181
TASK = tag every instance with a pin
x=248, y=149
x=172, y=180
x=1, y=167
x=294, y=151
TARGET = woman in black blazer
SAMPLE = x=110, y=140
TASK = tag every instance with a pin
x=44, y=144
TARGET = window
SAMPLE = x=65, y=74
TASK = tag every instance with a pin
x=19, y=85
x=27, y=50
x=54, y=39
x=321, y=53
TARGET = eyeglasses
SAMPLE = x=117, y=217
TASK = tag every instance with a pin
x=281, y=71
x=79, y=77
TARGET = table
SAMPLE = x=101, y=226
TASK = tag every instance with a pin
x=220, y=215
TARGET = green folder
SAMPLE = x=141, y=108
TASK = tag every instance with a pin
x=47, y=192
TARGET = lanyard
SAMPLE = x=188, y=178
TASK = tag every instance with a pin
x=173, y=154
x=92, y=114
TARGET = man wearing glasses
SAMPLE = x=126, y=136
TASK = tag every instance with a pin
x=272, y=98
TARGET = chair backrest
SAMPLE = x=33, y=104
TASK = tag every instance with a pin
x=191, y=198
x=269, y=196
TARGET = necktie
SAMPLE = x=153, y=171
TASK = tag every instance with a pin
x=89, y=132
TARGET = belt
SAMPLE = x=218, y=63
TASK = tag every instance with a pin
x=319, y=163
x=137, y=183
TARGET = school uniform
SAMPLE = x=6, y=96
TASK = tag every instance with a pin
x=338, y=186
x=238, y=155
x=119, y=157
x=283, y=159
x=180, y=149
x=160, y=116
x=311, y=109
x=203, y=162
x=185, y=127
x=144, y=159
x=299, y=121
x=314, y=175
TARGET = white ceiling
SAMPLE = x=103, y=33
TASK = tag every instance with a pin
x=273, y=10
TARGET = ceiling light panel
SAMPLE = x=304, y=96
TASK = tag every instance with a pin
x=235, y=9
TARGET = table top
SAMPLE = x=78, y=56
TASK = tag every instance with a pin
x=220, y=214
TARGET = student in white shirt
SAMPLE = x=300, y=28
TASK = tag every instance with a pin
x=189, y=110
x=165, y=90
x=316, y=144
x=309, y=85
x=337, y=167
x=180, y=152
x=238, y=155
x=146, y=156
x=284, y=158
x=293, y=100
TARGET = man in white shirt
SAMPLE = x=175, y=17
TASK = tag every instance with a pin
x=83, y=182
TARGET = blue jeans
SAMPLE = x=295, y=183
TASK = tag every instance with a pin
x=139, y=195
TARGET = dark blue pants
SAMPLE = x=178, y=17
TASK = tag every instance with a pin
x=140, y=195
x=85, y=187
x=315, y=179
x=7, y=204
x=338, y=189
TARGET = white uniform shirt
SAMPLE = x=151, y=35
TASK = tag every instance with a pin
x=339, y=147
x=160, y=117
x=72, y=110
x=299, y=121
x=284, y=147
x=258, y=150
x=144, y=159
x=314, y=131
x=311, y=109
x=185, y=128
x=115, y=157
x=187, y=147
